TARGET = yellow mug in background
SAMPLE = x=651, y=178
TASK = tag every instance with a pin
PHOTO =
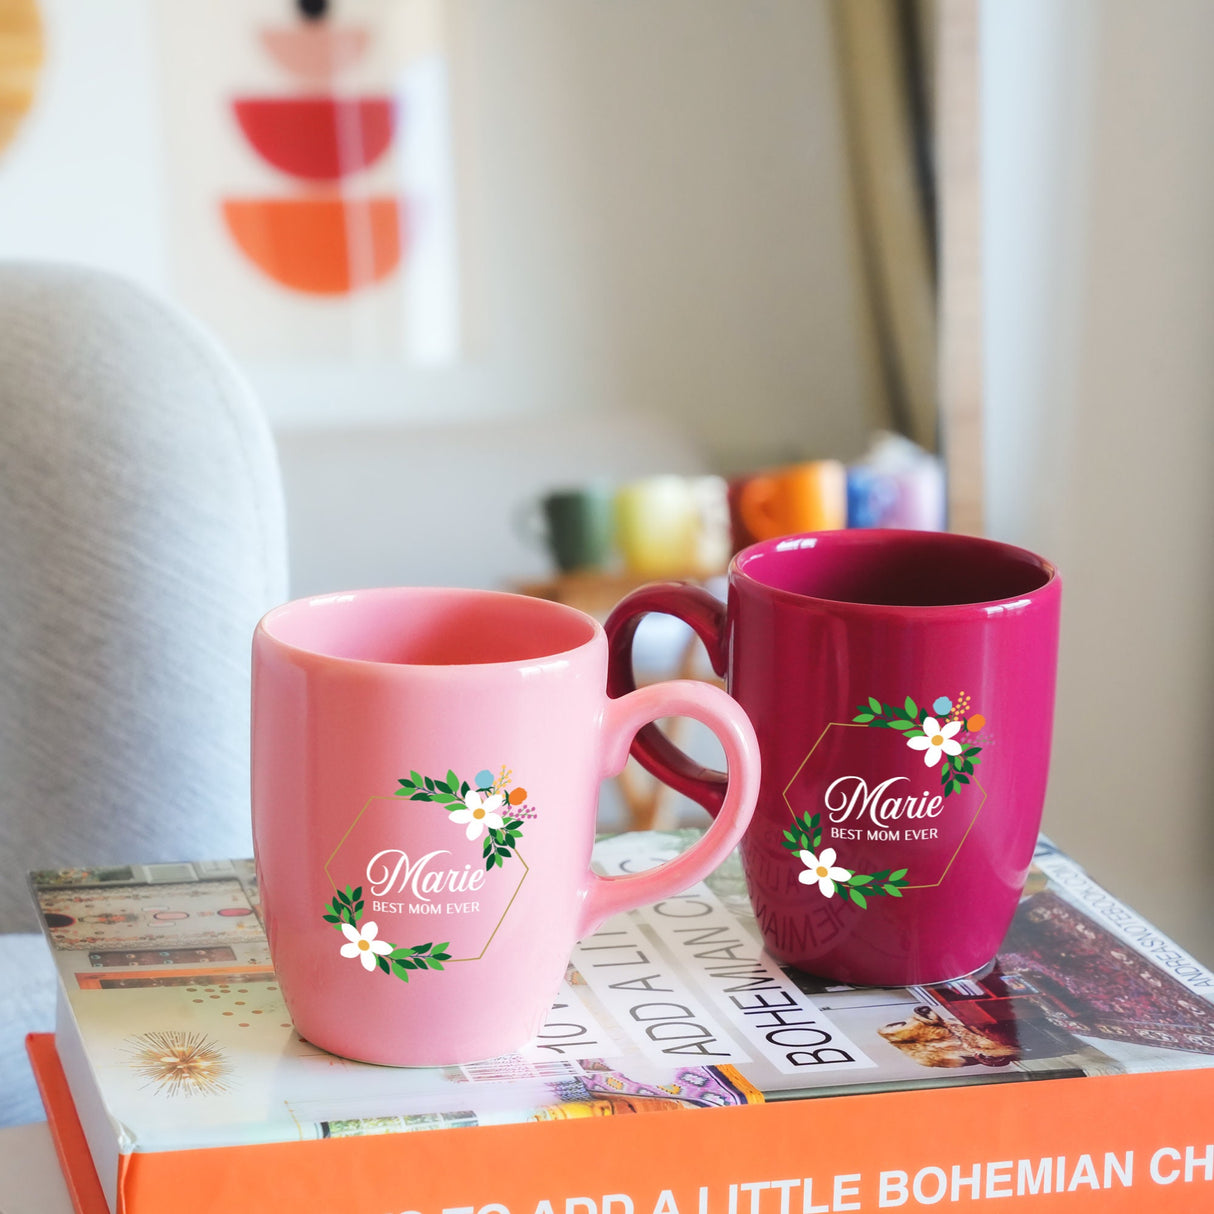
x=673, y=526
x=810, y=496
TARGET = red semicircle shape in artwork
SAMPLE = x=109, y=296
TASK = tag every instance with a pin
x=320, y=246
x=318, y=138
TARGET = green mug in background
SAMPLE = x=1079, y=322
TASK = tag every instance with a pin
x=575, y=525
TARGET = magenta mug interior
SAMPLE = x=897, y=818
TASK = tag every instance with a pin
x=894, y=568
x=902, y=687
x=426, y=770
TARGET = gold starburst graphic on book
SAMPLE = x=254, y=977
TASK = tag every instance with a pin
x=179, y=1063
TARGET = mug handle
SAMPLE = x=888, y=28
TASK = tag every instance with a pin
x=622, y=719
x=656, y=753
x=757, y=506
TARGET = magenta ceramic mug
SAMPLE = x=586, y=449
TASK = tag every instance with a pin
x=902, y=688
x=426, y=771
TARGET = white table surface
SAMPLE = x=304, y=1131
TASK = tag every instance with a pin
x=30, y=1180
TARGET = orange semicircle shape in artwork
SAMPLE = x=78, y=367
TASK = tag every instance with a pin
x=317, y=138
x=320, y=246
x=317, y=51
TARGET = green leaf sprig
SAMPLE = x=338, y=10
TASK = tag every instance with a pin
x=862, y=886
x=450, y=791
x=500, y=845
x=419, y=957
x=806, y=834
x=346, y=907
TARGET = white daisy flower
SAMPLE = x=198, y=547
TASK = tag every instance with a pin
x=479, y=813
x=937, y=740
x=820, y=870
x=364, y=945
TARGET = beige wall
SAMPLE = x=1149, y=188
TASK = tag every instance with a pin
x=1099, y=125
x=702, y=161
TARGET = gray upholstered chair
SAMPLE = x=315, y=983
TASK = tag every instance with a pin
x=141, y=537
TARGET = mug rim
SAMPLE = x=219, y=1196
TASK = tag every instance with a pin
x=879, y=537
x=315, y=655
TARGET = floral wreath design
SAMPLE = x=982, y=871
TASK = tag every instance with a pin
x=345, y=912
x=481, y=808
x=937, y=739
x=947, y=743
x=489, y=807
x=820, y=869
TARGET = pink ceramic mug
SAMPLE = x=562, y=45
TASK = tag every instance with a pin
x=902, y=688
x=426, y=770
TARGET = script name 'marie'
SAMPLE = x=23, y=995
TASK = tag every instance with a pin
x=849, y=798
x=392, y=870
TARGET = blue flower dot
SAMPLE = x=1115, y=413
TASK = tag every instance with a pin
x=942, y=705
x=484, y=779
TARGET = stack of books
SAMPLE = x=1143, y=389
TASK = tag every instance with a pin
x=680, y=1071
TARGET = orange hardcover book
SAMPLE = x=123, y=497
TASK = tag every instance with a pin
x=1075, y=1073
x=1117, y=1143
x=66, y=1132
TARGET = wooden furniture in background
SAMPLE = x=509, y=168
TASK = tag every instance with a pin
x=959, y=185
x=885, y=74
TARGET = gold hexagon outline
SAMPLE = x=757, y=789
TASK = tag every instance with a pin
x=497, y=927
x=854, y=725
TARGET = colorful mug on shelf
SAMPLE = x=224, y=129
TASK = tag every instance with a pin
x=897, y=484
x=902, y=688
x=810, y=496
x=673, y=526
x=426, y=770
